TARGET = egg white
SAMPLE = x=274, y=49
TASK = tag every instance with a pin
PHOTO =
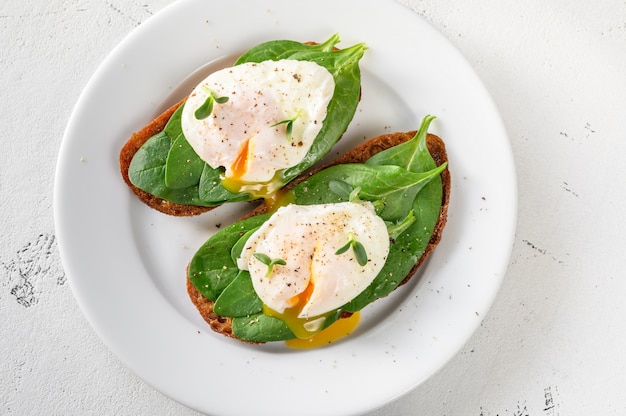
x=307, y=239
x=259, y=96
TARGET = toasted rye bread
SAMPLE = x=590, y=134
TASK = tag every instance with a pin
x=359, y=154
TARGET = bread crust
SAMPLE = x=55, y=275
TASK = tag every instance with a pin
x=359, y=154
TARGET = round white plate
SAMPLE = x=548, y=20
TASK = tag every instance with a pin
x=126, y=263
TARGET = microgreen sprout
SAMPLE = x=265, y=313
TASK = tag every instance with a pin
x=265, y=259
x=206, y=109
x=357, y=248
x=289, y=122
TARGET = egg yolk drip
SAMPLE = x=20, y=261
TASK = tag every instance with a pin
x=302, y=328
x=310, y=332
x=270, y=190
x=340, y=329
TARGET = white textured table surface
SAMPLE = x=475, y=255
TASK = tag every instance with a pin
x=552, y=344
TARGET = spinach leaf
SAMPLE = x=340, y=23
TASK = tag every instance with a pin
x=412, y=155
x=396, y=186
x=147, y=171
x=176, y=173
x=211, y=189
x=182, y=167
x=174, y=127
x=343, y=64
x=212, y=269
x=238, y=298
x=235, y=252
x=283, y=49
x=261, y=328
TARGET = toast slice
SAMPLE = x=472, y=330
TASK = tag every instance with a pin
x=359, y=154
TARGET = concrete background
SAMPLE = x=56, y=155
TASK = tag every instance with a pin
x=554, y=341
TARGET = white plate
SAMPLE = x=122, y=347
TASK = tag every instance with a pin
x=126, y=262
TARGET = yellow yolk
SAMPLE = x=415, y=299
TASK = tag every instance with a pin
x=279, y=199
x=302, y=328
x=270, y=191
x=340, y=329
x=240, y=165
x=235, y=183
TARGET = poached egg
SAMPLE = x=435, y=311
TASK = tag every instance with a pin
x=263, y=119
x=300, y=267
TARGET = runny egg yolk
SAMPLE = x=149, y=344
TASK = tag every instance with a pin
x=340, y=329
x=309, y=332
x=302, y=328
x=240, y=165
x=270, y=190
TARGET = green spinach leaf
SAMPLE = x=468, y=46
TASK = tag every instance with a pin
x=235, y=252
x=174, y=127
x=182, y=167
x=147, y=171
x=238, y=298
x=261, y=328
x=211, y=189
x=396, y=186
x=212, y=269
